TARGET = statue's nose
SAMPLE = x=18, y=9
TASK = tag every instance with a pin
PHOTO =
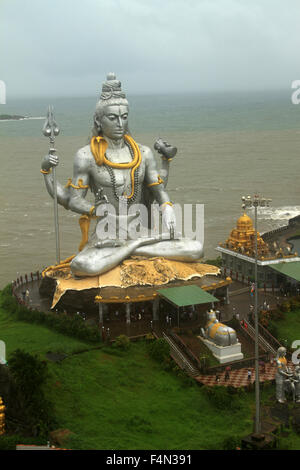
x=120, y=121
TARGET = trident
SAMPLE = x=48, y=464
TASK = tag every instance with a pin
x=51, y=130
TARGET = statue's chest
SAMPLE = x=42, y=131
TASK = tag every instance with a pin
x=106, y=175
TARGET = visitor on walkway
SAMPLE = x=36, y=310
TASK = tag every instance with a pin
x=249, y=374
x=217, y=377
x=227, y=371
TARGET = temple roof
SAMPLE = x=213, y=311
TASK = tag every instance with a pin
x=242, y=239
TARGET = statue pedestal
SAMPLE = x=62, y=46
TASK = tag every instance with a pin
x=224, y=354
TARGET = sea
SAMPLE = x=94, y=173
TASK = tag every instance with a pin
x=230, y=144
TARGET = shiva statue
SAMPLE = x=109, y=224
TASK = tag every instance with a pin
x=117, y=170
x=283, y=376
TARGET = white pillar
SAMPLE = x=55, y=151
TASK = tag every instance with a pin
x=100, y=313
x=127, y=309
x=227, y=295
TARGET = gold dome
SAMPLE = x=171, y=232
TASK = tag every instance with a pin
x=242, y=238
x=244, y=223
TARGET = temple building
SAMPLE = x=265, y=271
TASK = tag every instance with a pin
x=274, y=260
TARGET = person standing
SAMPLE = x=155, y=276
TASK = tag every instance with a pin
x=103, y=334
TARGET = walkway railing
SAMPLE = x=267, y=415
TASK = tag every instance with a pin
x=263, y=343
x=179, y=357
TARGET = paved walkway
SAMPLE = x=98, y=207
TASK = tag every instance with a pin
x=239, y=378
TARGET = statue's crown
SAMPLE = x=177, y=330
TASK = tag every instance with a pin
x=111, y=88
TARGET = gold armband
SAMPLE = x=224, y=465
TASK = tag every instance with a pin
x=91, y=210
x=159, y=181
x=45, y=172
x=80, y=184
x=167, y=159
x=168, y=202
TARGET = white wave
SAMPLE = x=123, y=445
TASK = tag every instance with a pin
x=277, y=213
x=23, y=119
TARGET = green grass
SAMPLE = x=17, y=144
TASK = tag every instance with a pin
x=34, y=338
x=289, y=327
x=129, y=402
x=124, y=400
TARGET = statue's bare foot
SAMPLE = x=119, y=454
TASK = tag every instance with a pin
x=109, y=243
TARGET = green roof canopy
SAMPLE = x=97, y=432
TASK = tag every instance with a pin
x=291, y=269
x=186, y=295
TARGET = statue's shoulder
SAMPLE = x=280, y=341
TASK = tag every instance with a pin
x=83, y=156
x=146, y=152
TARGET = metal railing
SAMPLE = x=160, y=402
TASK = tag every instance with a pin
x=263, y=343
x=179, y=357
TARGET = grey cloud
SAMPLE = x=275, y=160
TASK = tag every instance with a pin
x=57, y=47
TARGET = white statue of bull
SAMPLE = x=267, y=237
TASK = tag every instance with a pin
x=218, y=333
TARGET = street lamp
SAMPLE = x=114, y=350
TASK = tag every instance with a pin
x=256, y=202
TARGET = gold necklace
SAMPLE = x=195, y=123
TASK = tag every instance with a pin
x=99, y=147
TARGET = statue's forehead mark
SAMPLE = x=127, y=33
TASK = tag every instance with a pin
x=116, y=110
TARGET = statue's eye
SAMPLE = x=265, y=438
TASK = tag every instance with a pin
x=124, y=116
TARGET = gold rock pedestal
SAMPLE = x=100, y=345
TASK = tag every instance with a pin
x=134, y=280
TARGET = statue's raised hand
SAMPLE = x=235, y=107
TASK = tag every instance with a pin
x=168, y=216
x=49, y=161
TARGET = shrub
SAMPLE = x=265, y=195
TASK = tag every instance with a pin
x=295, y=304
x=122, y=342
x=72, y=326
x=231, y=443
x=277, y=314
x=204, y=362
x=30, y=375
x=285, y=306
x=222, y=398
x=9, y=442
x=159, y=349
x=149, y=337
x=273, y=329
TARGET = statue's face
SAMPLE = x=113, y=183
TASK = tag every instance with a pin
x=114, y=122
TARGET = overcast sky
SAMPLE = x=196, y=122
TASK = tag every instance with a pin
x=66, y=47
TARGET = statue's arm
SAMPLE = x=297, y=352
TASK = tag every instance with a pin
x=63, y=194
x=157, y=188
x=152, y=178
x=79, y=185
